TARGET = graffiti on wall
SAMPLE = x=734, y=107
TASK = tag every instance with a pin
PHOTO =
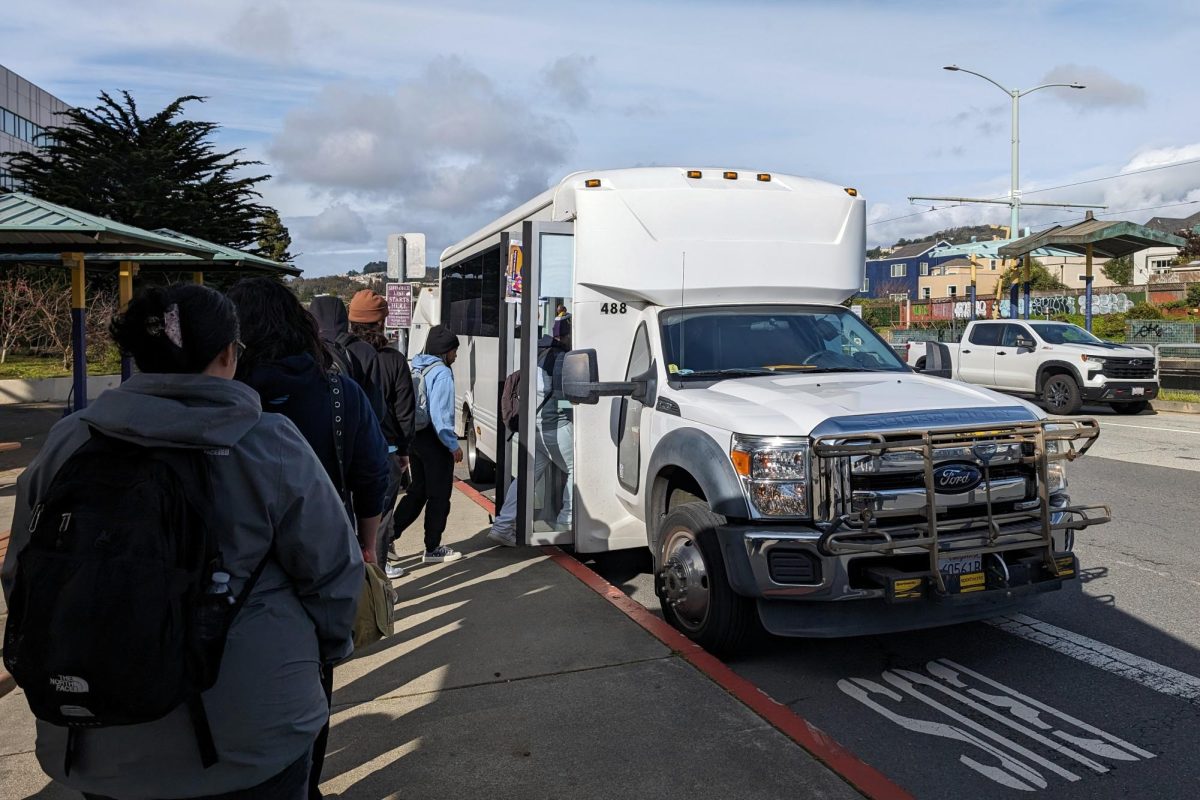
x=1107, y=303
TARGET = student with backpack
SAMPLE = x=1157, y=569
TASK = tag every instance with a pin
x=435, y=448
x=387, y=368
x=286, y=365
x=333, y=323
x=180, y=566
x=552, y=427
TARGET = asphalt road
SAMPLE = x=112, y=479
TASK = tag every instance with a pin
x=1091, y=692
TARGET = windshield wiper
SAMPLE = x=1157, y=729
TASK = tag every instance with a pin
x=730, y=372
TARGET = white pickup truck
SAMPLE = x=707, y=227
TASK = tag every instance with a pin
x=1057, y=362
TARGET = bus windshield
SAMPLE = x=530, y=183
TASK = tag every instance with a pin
x=737, y=341
x=1064, y=334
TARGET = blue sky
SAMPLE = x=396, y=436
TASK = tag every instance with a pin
x=377, y=117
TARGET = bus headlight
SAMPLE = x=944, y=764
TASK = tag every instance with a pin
x=775, y=474
x=1056, y=469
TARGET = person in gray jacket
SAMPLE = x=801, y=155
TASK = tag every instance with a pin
x=267, y=705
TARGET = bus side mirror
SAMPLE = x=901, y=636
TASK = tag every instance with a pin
x=937, y=360
x=581, y=383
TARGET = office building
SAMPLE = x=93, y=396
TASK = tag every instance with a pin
x=25, y=112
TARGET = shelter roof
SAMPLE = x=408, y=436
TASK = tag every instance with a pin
x=1108, y=238
x=31, y=225
x=991, y=249
x=36, y=232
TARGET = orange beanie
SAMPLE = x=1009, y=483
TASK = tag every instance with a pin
x=367, y=306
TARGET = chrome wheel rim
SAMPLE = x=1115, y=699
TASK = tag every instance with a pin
x=685, y=580
x=472, y=452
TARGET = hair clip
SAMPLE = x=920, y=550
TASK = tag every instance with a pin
x=171, y=325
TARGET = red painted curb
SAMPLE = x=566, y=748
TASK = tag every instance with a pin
x=862, y=776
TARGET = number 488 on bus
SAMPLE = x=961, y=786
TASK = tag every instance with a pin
x=613, y=308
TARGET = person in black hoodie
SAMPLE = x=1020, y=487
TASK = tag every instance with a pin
x=287, y=365
x=333, y=325
x=388, y=369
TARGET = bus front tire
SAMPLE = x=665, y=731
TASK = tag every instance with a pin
x=478, y=467
x=692, y=586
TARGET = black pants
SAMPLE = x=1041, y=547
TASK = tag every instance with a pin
x=432, y=481
x=287, y=785
x=322, y=742
x=387, y=525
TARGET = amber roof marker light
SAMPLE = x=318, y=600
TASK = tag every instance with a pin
x=592, y=183
x=851, y=192
x=731, y=176
x=765, y=177
x=695, y=173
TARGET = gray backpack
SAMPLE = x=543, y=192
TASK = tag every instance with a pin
x=421, y=418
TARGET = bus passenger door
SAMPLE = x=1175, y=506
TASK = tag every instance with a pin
x=545, y=453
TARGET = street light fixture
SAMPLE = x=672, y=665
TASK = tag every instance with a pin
x=1014, y=202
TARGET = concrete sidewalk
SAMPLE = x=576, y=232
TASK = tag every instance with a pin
x=509, y=678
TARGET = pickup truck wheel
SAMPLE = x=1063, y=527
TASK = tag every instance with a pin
x=1130, y=408
x=1061, y=395
x=480, y=469
x=692, y=585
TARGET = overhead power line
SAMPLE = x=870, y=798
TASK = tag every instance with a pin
x=1067, y=186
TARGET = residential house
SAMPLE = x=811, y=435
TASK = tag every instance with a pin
x=897, y=275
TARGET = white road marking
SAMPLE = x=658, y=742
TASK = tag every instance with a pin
x=1149, y=673
x=1049, y=710
x=1148, y=428
x=1014, y=765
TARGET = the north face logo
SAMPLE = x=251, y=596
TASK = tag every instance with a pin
x=69, y=683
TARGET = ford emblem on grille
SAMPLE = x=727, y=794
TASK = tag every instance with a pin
x=956, y=478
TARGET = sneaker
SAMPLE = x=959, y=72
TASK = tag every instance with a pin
x=394, y=571
x=440, y=555
x=507, y=539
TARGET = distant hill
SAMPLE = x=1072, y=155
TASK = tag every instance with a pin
x=962, y=235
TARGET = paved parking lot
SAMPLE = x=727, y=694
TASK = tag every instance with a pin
x=1092, y=692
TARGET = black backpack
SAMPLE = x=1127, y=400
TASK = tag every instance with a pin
x=345, y=362
x=110, y=619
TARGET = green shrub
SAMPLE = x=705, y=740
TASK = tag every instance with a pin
x=1193, y=295
x=1144, y=310
x=1110, y=326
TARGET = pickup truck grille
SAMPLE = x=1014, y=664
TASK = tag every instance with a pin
x=1129, y=368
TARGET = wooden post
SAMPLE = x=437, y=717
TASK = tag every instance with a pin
x=75, y=263
x=126, y=272
x=198, y=278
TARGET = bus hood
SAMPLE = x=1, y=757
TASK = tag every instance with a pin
x=801, y=405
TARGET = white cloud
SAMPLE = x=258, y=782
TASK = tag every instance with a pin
x=1103, y=90
x=338, y=223
x=569, y=78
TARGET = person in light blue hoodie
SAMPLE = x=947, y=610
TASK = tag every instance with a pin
x=434, y=448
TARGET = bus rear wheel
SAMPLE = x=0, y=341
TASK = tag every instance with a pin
x=480, y=469
x=692, y=586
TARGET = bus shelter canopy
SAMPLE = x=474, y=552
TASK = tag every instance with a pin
x=29, y=225
x=1106, y=238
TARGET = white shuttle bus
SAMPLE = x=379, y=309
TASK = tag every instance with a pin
x=722, y=408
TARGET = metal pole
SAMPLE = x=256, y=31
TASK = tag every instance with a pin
x=974, y=284
x=1087, y=286
x=74, y=262
x=1014, y=210
x=1028, y=283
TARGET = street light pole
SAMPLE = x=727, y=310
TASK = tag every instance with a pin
x=1014, y=200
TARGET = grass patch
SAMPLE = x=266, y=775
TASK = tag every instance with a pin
x=1179, y=396
x=32, y=368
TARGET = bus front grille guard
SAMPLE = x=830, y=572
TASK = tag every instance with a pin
x=1033, y=444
